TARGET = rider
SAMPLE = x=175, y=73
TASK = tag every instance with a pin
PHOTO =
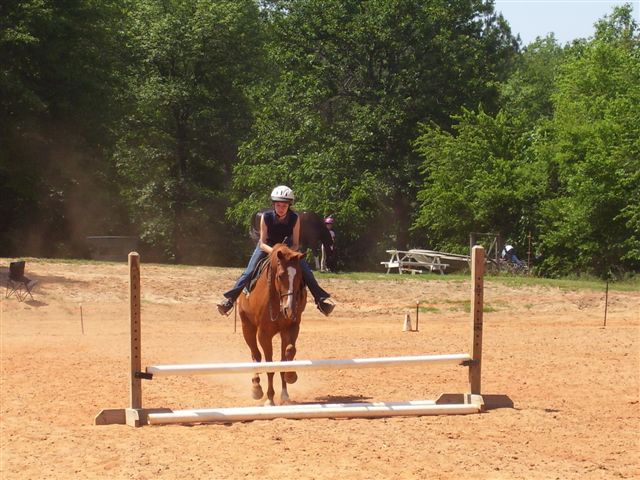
x=329, y=224
x=328, y=221
x=277, y=226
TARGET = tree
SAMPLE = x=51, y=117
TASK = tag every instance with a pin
x=481, y=175
x=590, y=222
x=478, y=178
x=189, y=110
x=527, y=93
x=355, y=79
x=57, y=102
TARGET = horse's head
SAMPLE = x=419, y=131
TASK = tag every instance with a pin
x=287, y=278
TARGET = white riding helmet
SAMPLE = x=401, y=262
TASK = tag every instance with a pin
x=282, y=193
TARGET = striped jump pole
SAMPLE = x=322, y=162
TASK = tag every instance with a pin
x=446, y=404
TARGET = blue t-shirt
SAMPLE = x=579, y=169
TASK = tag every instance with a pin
x=277, y=230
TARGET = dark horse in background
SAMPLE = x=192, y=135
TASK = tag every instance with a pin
x=274, y=305
x=313, y=235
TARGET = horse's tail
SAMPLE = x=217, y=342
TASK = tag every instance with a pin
x=254, y=229
x=253, y=233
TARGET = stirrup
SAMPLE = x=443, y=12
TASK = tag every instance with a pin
x=224, y=307
x=325, y=307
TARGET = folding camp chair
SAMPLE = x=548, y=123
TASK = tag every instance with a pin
x=17, y=283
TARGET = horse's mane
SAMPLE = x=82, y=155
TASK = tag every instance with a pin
x=279, y=247
x=273, y=256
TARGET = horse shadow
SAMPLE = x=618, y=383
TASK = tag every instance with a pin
x=491, y=401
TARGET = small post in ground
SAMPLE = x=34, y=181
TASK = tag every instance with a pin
x=606, y=303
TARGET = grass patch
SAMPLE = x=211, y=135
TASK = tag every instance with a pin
x=423, y=308
x=630, y=284
x=570, y=283
x=429, y=309
x=465, y=306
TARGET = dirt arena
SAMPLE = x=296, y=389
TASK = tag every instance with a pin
x=574, y=384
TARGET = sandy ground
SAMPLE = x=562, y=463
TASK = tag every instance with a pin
x=574, y=384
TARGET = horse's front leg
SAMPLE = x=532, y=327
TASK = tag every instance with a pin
x=288, y=352
x=265, y=340
x=249, y=332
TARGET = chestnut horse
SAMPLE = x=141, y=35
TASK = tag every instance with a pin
x=275, y=305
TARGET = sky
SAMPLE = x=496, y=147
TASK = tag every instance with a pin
x=567, y=19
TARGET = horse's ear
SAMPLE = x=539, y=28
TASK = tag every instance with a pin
x=299, y=255
x=279, y=254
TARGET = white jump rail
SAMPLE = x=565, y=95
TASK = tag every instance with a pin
x=447, y=404
x=304, y=365
x=329, y=410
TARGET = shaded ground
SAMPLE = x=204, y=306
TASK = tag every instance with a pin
x=574, y=384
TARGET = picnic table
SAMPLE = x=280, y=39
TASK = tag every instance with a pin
x=418, y=261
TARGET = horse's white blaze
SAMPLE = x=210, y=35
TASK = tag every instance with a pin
x=292, y=275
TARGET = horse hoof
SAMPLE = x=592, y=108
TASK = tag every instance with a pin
x=269, y=403
x=284, y=398
x=290, y=352
x=290, y=377
x=257, y=393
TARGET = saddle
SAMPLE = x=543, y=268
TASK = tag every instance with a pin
x=253, y=279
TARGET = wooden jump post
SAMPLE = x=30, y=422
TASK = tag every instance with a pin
x=446, y=404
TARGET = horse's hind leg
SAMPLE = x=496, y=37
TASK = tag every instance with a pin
x=249, y=332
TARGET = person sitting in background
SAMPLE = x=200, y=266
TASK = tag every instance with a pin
x=509, y=254
x=328, y=222
x=280, y=225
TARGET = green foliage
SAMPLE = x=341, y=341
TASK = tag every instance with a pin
x=60, y=64
x=194, y=61
x=354, y=80
x=527, y=92
x=560, y=160
x=412, y=122
x=477, y=179
x=589, y=223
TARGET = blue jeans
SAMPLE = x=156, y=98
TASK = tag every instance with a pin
x=258, y=254
x=512, y=257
